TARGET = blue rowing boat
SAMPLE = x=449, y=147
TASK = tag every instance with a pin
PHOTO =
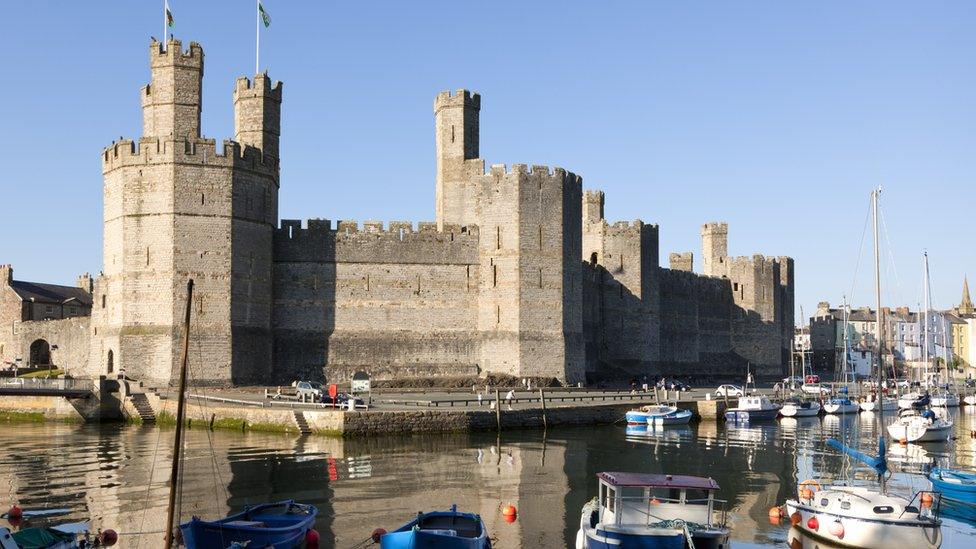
x=954, y=484
x=439, y=530
x=282, y=525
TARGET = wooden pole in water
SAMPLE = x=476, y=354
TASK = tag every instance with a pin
x=498, y=412
x=542, y=398
x=180, y=401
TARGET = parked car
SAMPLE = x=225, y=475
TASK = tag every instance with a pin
x=309, y=390
x=342, y=399
x=815, y=389
x=729, y=390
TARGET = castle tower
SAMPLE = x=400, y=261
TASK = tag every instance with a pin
x=176, y=207
x=715, y=248
x=592, y=206
x=171, y=101
x=257, y=114
x=530, y=292
x=456, y=138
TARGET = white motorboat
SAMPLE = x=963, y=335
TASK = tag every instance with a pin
x=970, y=400
x=654, y=511
x=840, y=405
x=752, y=408
x=795, y=407
x=851, y=516
x=913, y=425
x=908, y=400
x=678, y=417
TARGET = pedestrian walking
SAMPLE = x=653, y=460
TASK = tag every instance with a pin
x=508, y=399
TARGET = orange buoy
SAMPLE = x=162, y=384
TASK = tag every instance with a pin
x=509, y=511
x=806, y=493
x=312, y=539
x=903, y=441
x=813, y=524
x=927, y=499
x=836, y=528
x=377, y=534
x=795, y=518
x=15, y=512
x=655, y=501
x=108, y=537
x=509, y=518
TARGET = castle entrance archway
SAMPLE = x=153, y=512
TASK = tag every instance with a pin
x=40, y=353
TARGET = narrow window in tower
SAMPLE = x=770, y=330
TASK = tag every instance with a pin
x=367, y=283
x=620, y=290
x=103, y=301
x=540, y=237
x=147, y=256
x=467, y=279
x=200, y=304
x=494, y=276
x=452, y=133
x=540, y=278
x=498, y=314
x=621, y=262
x=202, y=199
x=498, y=237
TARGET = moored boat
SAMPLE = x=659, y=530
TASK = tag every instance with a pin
x=752, y=408
x=439, y=529
x=871, y=403
x=840, y=405
x=945, y=399
x=653, y=511
x=641, y=415
x=970, y=400
x=795, y=407
x=284, y=524
x=912, y=400
x=954, y=484
x=678, y=417
x=921, y=426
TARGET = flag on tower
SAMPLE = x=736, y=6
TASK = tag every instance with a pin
x=265, y=18
x=169, y=15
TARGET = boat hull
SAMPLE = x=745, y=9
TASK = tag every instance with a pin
x=745, y=416
x=946, y=401
x=681, y=417
x=282, y=531
x=954, y=485
x=792, y=410
x=866, y=533
x=441, y=529
x=837, y=409
x=915, y=433
x=650, y=538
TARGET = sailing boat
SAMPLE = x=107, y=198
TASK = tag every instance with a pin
x=795, y=406
x=284, y=524
x=840, y=403
x=920, y=423
x=945, y=395
x=854, y=516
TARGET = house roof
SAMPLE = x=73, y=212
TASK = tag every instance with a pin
x=650, y=479
x=50, y=293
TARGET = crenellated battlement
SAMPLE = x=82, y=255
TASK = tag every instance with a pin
x=397, y=242
x=153, y=150
x=260, y=86
x=537, y=173
x=459, y=98
x=715, y=227
x=174, y=54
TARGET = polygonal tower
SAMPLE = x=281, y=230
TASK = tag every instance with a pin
x=456, y=138
x=177, y=208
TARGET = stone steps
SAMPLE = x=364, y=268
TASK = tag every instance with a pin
x=142, y=406
x=302, y=423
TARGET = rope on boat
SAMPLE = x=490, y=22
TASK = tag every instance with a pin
x=686, y=527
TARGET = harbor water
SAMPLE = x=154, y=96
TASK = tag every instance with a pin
x=117, y=475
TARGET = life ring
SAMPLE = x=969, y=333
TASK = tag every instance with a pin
x=813, y=482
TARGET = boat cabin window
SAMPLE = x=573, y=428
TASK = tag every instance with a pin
x=664, y=494
x=824, y=502
x=632, y=493
x=883, y=509
x=608, y=500
x=694, y=496
x=845, y=505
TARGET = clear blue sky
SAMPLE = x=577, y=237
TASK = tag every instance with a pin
x=774, y=116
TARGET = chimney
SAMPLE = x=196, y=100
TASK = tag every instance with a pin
x=6, y=274
x=85, y=282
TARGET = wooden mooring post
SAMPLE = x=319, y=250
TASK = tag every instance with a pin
x=498, y=411
x=542, y=398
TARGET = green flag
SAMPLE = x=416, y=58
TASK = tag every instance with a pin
x=265, y=18
x=169, y=17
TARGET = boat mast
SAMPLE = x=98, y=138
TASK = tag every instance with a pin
x=847, y=341
x=879, y=328
x=925, y=332
x=180, y=401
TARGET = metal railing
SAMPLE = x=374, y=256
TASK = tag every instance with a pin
x=714, y=506
x=38, y=383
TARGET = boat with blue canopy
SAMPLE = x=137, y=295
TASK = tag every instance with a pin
x=636, y=510
x=441, y=530
x=954, y=484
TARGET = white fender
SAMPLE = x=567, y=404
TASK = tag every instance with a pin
x=580, y=539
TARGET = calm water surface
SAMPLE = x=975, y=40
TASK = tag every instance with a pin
x=117, y=475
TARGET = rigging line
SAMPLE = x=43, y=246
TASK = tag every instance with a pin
x=860, y=251
x=891, y=257
x=152, y=471
x=204, y=406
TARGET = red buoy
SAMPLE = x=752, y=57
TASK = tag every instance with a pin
x=813, y=524
x=108, y=537
x=377, y=534
x=312, y=539
x=509, y=511
x=15, y=512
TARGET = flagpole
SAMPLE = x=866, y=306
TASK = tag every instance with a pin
x=165, y=21
x=257, y=38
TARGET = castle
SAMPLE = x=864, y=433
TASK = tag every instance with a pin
x=518, y=274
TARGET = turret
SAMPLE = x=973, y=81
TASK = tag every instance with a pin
x=456, y=137
x=592, y=206
x=715, y=247
x=257, y=114
x=171, y=101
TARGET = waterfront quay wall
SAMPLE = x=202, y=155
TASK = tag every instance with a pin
x=54, y=408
